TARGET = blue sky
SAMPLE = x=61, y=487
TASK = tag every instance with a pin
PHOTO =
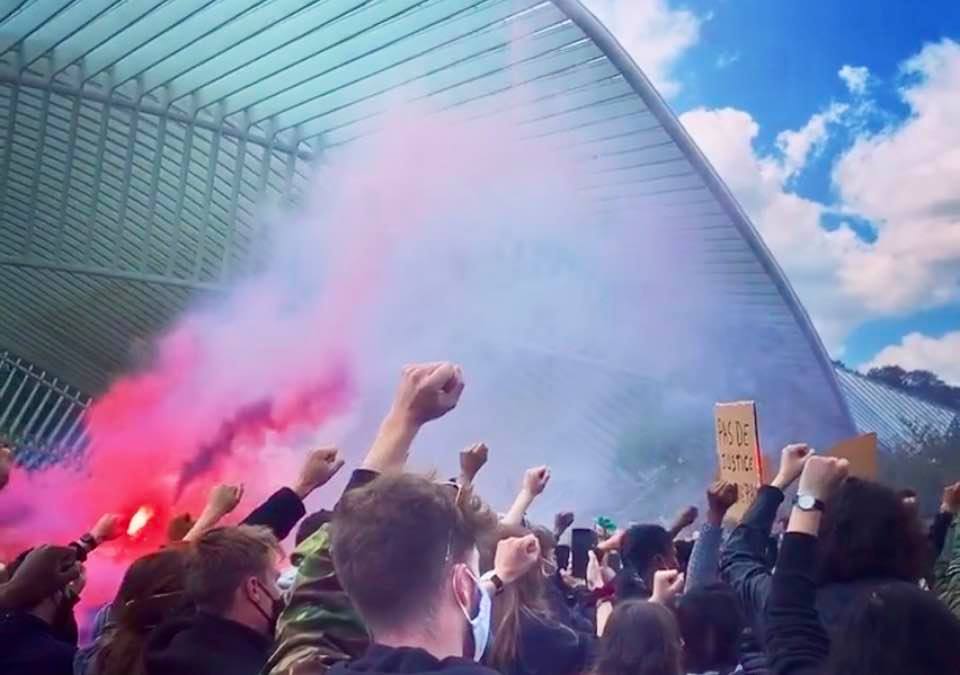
x=834, y=124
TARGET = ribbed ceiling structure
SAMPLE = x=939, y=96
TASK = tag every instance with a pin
x=138, y=139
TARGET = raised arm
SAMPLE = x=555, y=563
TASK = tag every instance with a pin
x=534, y=482
x=221, y=500
x=684, y=519
x=743, y=560
x=704, y=566
x=797, y=643
x=426, y=392
x=284, y=508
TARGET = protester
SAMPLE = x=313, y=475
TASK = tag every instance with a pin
x=946, y=577
x=407, y=557
x=38, y=630
x=152, y=592
x=868, y=539
x=895, y=629
x=528, y=638
x=407, y=574
x=645, y=550
x=703, y=567
x=641, y=638
x=711, y=625
x=231, y=578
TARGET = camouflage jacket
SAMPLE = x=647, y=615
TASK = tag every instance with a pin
x=946, y=572
x=319, y=626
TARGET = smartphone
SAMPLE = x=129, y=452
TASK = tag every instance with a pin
x=562, y=553
x=582, y=541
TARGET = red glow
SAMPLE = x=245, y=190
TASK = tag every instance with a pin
x=139, y=520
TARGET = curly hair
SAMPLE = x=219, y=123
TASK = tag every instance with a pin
x=867, y=532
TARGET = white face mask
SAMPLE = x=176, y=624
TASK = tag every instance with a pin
x=480, y=624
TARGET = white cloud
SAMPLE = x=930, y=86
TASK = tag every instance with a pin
x=855, y=77
x=796, y=146
x=726, y=60
x=903, y=180
x=654, y=34
x=921, y=352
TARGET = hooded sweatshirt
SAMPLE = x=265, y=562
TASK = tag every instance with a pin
x=379, y=659
x=205, y=644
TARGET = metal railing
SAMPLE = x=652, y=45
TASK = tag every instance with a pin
x=40, y=416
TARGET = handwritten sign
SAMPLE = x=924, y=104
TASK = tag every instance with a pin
x=738, y=450
x=861, y=452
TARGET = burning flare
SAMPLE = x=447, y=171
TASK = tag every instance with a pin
x=139, y=520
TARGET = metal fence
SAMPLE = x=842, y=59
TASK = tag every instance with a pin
x=40, y=416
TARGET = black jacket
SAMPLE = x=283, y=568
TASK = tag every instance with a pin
x=385, y=660
x=28, y=647
x=548, y=647
x=205, y=644
x=797, y=644
x=281, y=512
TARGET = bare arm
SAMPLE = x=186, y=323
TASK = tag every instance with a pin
x=534, y=482
x=426, y=392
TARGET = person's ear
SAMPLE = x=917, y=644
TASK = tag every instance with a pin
x=251, y=588
x=464, y=586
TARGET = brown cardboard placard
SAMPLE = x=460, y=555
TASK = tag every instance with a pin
x=738, y=451
x=861, y=452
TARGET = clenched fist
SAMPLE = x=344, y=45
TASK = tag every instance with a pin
x=427, y=391
x=535, y=479
x=472, y=460
x=320, y=467
x=515, y=556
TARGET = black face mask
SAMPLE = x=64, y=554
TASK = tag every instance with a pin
x=276, y=609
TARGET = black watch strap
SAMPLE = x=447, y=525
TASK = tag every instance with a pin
x=496, y=581
x=808, y=503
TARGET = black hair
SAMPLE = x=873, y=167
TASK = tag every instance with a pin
x=897, y=629
x=867, y=532
x=711, y=623
x=642, y=544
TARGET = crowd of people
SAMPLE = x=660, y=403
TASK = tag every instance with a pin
x=407, y=573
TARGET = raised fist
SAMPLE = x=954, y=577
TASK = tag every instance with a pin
x=428, y=391
x=224, y=498
x=321, y=465
x=472, y=460
x=667, y=585
x=721, y=496
x=535, y=479
x=822, y=475
x=515, y=556
x=792, y=459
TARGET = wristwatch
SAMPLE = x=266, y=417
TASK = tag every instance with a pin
x=808, y=503
x=497, y=582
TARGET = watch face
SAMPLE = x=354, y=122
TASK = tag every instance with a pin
x=806, y=502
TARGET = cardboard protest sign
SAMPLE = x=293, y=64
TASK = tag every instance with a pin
x=861, y=452
x=738, y=450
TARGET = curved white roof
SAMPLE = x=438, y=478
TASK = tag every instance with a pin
x=137, y=138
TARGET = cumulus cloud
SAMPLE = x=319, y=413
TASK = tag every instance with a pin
x=855, y=77
x=902, y=180
x=922, y=352
x=797, y=146
x=654, y=34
